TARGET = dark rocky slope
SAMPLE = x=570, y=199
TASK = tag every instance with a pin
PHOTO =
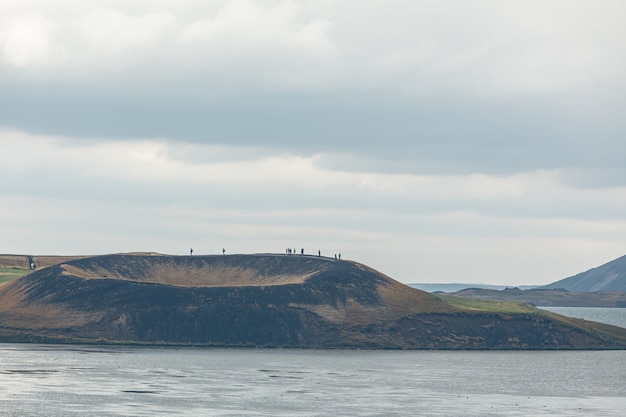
x=264, y=300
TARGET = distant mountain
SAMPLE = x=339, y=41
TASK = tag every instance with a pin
x=453, y=287
x=608, y=277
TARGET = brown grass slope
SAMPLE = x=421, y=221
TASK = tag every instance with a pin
x=15, y=266
x=263, y=300
x=42, y=261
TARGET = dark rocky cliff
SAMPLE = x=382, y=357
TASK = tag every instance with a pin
x=263, y=300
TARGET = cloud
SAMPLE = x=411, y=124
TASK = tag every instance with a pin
x=243, y=24
x=120, y=43
x=479, y=49
x=25, y=40
x=127, y=186
x=389, y=127
x=440, y=86
x=241, y=178
x=108, y=34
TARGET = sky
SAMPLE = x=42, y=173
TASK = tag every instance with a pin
x=437, y=141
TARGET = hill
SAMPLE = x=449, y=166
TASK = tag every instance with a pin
x=548, y=297
x=608, y=277
x=453, y=287
x=266, y=300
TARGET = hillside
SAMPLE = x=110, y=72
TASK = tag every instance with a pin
x=15, y=266
x=548, y=297
x=453, y=287
x=22, y=261
x=608, y=277
x=265, y=300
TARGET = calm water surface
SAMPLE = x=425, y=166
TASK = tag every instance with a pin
x=37, y=380
x=614, y=316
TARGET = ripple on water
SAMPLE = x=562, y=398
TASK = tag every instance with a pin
x=192, y=382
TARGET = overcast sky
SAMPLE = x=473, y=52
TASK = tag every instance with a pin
x=436, y=141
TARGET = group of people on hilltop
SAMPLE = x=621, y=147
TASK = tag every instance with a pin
x=288, y=251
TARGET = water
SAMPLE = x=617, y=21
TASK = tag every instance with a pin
x=614, y=316
x=53, y=381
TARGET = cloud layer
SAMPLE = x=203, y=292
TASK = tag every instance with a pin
x=110, y=196
x=436, y=140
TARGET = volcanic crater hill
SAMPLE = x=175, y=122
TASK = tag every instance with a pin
x=265, y=300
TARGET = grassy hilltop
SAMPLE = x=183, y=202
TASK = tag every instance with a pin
x=268, y=300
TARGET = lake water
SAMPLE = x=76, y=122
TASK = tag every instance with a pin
x=614, y=316
x=38, y=380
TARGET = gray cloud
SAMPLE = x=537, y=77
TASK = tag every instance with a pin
x=444, y=130
x=408, y=135
x=404, y=85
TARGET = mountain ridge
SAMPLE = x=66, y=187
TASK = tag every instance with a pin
x=610, y=276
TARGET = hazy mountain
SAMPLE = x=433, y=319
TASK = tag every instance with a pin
x=608, y=277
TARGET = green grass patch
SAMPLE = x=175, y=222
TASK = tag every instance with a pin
x=9, y=274
x=473, y=304
x=517, y=307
